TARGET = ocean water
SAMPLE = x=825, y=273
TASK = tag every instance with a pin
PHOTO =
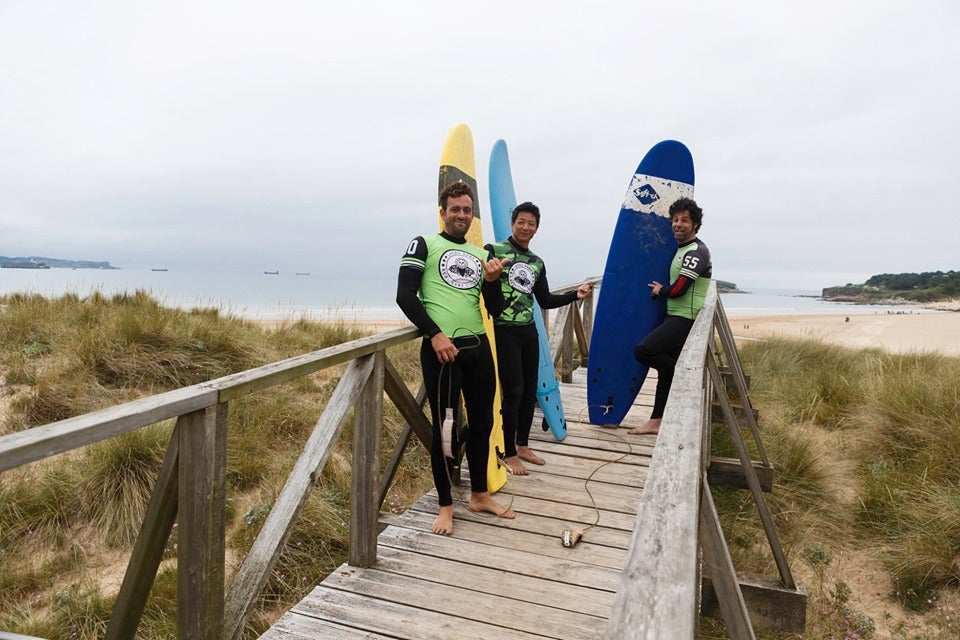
x=348, y=296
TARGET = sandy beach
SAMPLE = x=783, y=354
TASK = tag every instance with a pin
x=919, y=331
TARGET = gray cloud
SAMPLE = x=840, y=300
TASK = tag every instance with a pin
x=298, y=134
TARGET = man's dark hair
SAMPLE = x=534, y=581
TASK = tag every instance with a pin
x=455, y=190
x=690, y=206
x=529, y=207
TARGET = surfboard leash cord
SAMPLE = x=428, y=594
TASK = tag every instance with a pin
x=570, y=537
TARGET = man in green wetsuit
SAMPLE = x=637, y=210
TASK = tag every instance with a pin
x=518, y=344
x=438, y=288
x=690, y=273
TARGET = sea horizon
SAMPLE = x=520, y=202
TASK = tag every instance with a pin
x=279, y=295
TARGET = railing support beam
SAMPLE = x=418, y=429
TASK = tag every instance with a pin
x=201, y=543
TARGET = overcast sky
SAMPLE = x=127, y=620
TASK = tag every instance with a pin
x=306, y=135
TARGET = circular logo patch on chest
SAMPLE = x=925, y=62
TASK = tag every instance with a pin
x=460, y=270
x=521, y=277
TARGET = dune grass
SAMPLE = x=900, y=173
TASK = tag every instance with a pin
x=865, y=446
x=67, y=523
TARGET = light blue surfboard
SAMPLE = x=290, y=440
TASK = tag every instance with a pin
x=641, y=250
x=502, y=202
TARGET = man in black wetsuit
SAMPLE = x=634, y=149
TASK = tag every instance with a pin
x=690, y=273
x=438, y=288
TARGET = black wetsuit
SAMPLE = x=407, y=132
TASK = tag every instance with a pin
x=438, y=289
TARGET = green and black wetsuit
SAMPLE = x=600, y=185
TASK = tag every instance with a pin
x=690, y=274
x=518, y=346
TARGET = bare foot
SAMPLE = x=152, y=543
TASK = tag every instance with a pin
x=529, y=456
x=651, y=427
x=483, y=502
x=443, y=525
x=516, y=467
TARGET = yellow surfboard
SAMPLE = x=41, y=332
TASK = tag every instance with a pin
x=457, y=164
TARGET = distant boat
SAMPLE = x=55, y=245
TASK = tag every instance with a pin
x=159, y=269
x=25, y=265
x=272, y=273
x=306, y=273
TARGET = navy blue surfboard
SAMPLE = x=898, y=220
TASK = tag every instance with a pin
x=640, y=252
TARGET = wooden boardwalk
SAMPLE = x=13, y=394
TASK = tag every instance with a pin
x=496, y=578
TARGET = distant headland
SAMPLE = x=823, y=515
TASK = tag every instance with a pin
x=37, y=262
x=727, y=287
x=900, y=288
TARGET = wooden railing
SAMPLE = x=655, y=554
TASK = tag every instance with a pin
x=664, y=588
x=661, y=584
x=191, y=485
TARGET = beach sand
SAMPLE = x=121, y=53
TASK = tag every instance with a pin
x=920, y=331
x=907, y=332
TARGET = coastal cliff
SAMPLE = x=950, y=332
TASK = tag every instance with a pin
x=933, y=287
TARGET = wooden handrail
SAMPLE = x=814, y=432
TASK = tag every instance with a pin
x=658, y=594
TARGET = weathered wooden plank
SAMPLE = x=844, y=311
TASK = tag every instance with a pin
x=614, y=450
x=566, y=347
x=400, y=621
x=611, y=497
x=658, y=594
x=148, y=549
x=611, y=472
x=558, y=511
x=406, y=404
x=294, y=625
x=393, y=464
x=739, y=379
x=365, y=478
x=23, y=447
x=717, y=561
x=763, y=510
x=579, y=573
x=240, y=384
x=453, y=600
x=518, y=539
x=201, y=535
x=610, y=443
x=580, y=333
x=728, y=472
x=771, y=605
x=556, y=333
x=266, y=549
x=515, y=584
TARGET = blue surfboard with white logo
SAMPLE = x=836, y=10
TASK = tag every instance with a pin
x=502, y=202
x=640, y=252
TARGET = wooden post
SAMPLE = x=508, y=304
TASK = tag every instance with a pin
x=201, y=545
x=364, y=507
x=586, y=310
x=567, y=369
